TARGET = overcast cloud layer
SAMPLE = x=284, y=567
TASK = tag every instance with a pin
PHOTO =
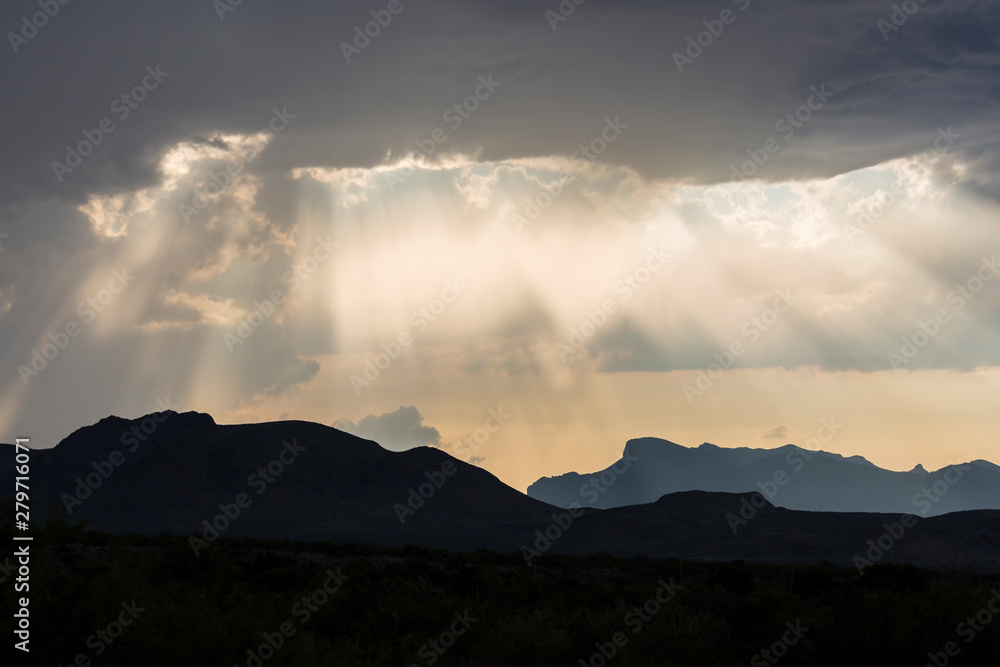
x=342, y=215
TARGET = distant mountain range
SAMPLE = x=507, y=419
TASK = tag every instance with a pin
x=184, y=474
x=789, y=477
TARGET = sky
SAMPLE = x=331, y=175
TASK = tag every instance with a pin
x=523, y=232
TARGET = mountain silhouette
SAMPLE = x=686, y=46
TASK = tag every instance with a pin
x=184, y=474
x=335, y=486
x=789, y=476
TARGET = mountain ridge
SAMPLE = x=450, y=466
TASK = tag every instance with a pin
x=790, y=476
x=296, y=480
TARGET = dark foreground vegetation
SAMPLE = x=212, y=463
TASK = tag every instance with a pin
x=255, y=603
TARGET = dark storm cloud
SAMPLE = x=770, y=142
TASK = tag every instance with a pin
x=606, y=60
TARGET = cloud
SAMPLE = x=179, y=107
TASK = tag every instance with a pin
x=691, y=125
x=399, y=430
x=779, y=432
x=666, y=177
